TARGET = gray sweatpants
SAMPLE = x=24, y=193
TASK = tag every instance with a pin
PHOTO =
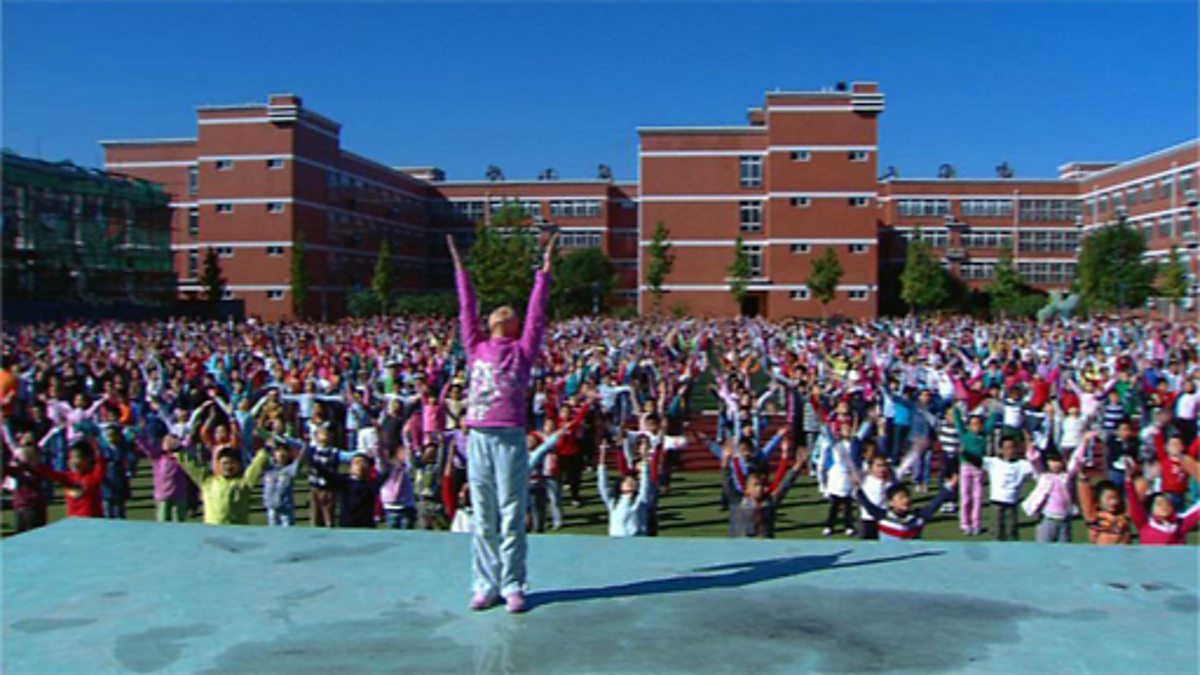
x=1053, y=530
x=498, y=472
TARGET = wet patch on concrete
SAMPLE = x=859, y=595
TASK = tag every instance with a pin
x=1184, y=604
x=291, y=601
x=152, y=650
x=47, y=625
x=336, y=551
x=231, y=545
x=114, y=594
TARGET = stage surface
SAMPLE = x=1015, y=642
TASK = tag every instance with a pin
x=85, y=596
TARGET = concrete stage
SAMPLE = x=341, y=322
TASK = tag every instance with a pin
x=86, y=596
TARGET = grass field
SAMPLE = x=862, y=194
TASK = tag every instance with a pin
x=690, y=510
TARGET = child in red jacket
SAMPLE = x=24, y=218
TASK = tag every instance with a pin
x=83, y=481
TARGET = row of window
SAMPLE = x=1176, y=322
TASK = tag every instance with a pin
x=1031, y=209
x=1167, y=226
x=579, y=240
x=803, y=294
x=750, y=167
x=273, y=164
x=575, y=208
x=1033, y=272
x=1145, y=193
x=1048, y=240
x=272, y=207
x=923, y=207
x=1049, y=209
x=987, y=239
x=224, y=252
x=985, y=208
x=935, y=238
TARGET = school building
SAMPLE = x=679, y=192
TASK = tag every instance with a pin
x=802, y=175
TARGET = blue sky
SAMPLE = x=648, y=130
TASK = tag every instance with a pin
x=527, y=86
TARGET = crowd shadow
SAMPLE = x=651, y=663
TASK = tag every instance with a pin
x=731, y=575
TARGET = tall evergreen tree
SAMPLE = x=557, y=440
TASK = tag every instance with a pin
x=1112, y=273
x=300, y=279
x=660, y=260
x=824, y=277
x=503, y=259
x=1006, y=288
x=739, y=273
x=923, y=283
x=211, y=278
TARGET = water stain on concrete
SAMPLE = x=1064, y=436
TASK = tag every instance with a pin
x=794, y=628
x=1183, y=604
x=152, y=650
x=47, y=625
x=290, y=601
x=114, y=594
x=231, y=545
x=336, y=551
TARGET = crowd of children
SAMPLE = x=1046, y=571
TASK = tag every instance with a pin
x=369, y=419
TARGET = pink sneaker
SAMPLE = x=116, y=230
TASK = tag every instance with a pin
x=483, y=601
x=515, y=603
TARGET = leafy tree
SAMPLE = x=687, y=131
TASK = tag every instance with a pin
x=1112, y=273
x=363, y=304
x=381, y=282
x=300, y=280
x=680, y=310
x=660, y=260
x=1006, y=288
x=583, y=280
x=503, y=259
x=923, y=283
x=823, y=280
x=210, y=277
x=739, y=272
x=428, y=304
x=1172, y=280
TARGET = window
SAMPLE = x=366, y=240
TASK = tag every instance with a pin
x=751, y=170
x=1148, y=191
x=193, y=264
x=579, y=240
x=1166, y=188
x=857, y=295
x=1046, y=272
x=1103, y=203
x=976, y=271
x=274, y=163
x=751, y=216
x=1185, y=181
x=225, y=251
x=801, y=248
x=1132, y=196
x=1118, y=201
x=1051, y=209
x=800, y=294
x=193, y=222
x=274, y=251
x=755, y=254
x=568, y=208
x=625, y=234
x=1061, y=241
x=934, y=237
x=801, y=202
x=471, y=210
x=987, y=239
x=193, y=180
x=858, y=155
x=224, y=165
x=224, y=207
x=1164, y=226
x=986, y=208
x=801, y=155
x=1185, y=223
x=924, y=207
x=858, y=249
x=858, y=202
x=274, y=295
x=275, y=207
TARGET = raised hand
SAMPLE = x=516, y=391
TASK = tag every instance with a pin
x=548, y=260
x=453, y=251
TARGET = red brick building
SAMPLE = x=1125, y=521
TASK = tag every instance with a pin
x=799, y=178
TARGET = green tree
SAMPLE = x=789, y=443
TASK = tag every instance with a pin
x=381, y=282
x=427, y=304
x=823, y=279
x=739, y=273
x=503, y=259
x=1112, y=273
x=1006, y=289
x=210, y=277
x=583, y=281
x=300, y=280
x=1172, y=280
x=923, y=283
x=363, y=304
x=659, y=262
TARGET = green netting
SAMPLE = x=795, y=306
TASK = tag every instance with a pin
x=72, y=233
